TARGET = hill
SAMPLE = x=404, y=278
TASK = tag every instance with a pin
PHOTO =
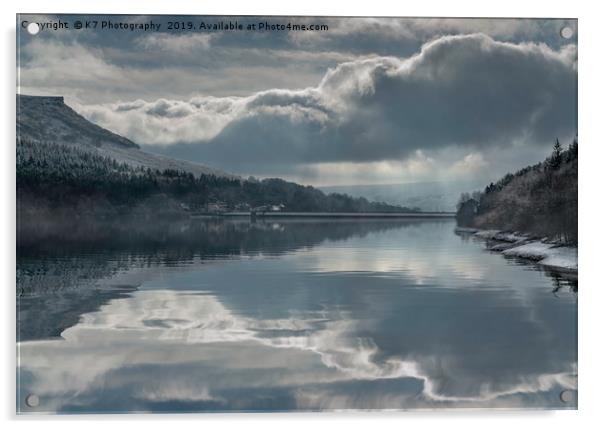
x=425, y=196
x=540, y=199
x=50, y=120
x=68, y=167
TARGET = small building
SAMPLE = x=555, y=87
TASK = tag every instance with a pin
x=217, y=207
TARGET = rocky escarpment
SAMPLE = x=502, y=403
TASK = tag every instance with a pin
x=49, y=120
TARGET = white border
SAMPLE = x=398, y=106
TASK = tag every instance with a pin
x=590, y=159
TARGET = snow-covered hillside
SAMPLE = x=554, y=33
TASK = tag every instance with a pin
x=50, y=120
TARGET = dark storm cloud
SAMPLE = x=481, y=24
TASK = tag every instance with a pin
x=403, y=36
x=171, y=63
x=467, y=91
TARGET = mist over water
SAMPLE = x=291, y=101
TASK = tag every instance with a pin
x=288, y=315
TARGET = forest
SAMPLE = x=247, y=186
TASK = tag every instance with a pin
x=540, y=199
x=68, y=180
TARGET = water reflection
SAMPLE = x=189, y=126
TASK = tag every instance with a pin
x=294, y=315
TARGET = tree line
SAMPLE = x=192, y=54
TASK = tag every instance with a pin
x=541, y=199
x=63, y=176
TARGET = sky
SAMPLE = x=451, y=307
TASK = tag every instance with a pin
x=365, y=101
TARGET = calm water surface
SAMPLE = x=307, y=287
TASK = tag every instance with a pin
x=289, y=315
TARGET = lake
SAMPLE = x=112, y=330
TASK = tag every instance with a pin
x=287, y=314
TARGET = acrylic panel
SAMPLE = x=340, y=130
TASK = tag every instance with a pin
x=242, y=214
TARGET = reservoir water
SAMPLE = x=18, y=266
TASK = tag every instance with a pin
x=291, y=314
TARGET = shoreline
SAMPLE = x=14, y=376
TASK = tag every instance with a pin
x=330, y=214
x=546, y=253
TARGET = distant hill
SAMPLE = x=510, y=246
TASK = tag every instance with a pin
x=426, y=196
x=68, y=167
x=51, y=121
x=540, y=199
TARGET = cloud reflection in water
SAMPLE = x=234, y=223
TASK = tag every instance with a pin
x=409, y=317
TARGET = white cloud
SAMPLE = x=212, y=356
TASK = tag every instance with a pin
x=471, y=164
x=458, y=90
x=188, y=330
x=181, y=43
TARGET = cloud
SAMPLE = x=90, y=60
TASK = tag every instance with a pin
x=169, y=42
x=403, y=36
x=459, y=91
x=78, y=71
x=87, y=72
x=188, y=340
x=470, y=164
x=408, y=30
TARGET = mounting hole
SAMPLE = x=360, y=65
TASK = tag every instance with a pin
x=567, y=396
x=32, y=401
x=33, y=28
x=566, y=32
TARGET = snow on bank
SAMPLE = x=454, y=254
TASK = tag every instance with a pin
x=549, y=255
x=513, y=244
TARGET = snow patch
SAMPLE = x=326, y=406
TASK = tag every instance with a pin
x=544, y=252
x=549, y=255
